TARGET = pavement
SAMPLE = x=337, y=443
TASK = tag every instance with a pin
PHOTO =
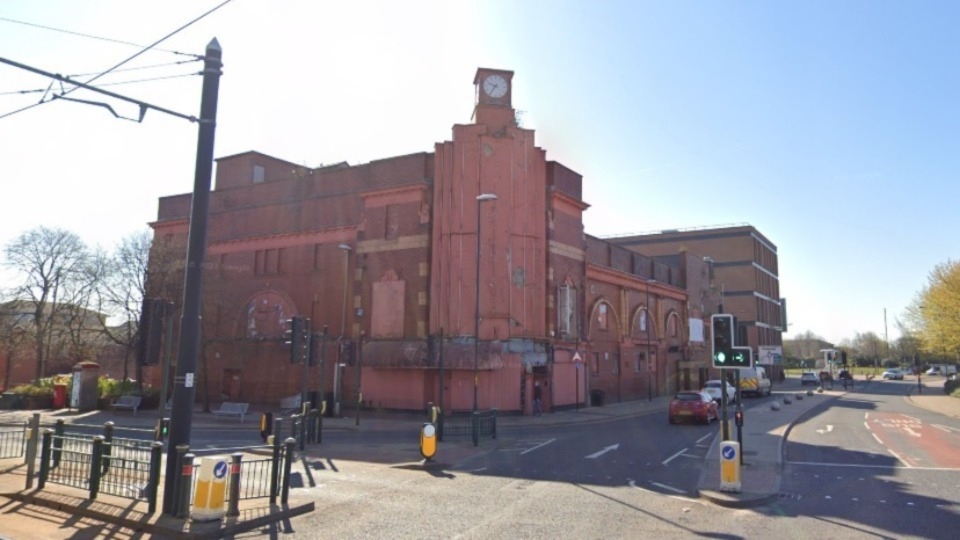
x=63, y=512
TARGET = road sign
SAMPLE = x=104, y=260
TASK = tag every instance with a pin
x=730, y=466
x=577, y=358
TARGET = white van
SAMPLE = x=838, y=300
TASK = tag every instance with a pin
x=754, y=381
x=942, y=369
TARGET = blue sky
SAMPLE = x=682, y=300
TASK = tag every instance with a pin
x=832, y=127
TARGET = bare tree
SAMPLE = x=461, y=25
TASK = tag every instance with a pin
x=122, y=290
x=55, y=267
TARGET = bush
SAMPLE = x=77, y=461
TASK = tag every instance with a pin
x=952, y=388
x=32, y=390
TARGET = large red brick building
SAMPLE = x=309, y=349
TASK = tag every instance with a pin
x=388, y=257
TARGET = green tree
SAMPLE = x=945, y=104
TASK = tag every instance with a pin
x=936, y=311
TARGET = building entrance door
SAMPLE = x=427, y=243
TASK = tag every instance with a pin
x=231, y=385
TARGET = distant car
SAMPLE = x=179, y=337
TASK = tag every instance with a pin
x=809, y=377
x=826, y=376
x=715, y=390
x=695, y=405
x=893, y=374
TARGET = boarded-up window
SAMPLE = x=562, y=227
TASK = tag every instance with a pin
x=567, y=311
x=268, y=261
x=602, y=318
x=392, y=223
x=387, y=314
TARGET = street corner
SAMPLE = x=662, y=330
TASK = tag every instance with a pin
x=743, y=499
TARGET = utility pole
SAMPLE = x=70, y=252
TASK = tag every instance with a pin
x=886, y=339
x=184, y=389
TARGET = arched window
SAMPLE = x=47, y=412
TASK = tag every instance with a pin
x=602, y=316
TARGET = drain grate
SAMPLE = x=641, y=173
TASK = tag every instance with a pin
x=791, y=496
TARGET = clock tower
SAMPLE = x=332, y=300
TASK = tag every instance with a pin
x=494, y=91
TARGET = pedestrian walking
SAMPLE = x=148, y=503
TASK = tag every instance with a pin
x=537, y=399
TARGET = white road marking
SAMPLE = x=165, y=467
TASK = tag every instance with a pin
x=866, y=415
x=911, y=418
x=900, y=458
x=828, y=430
x=595, y=455
x=877, y=438
x=911, y=432
x=946, y=428
x=634, y=485
x=705, y=437
x=532, y=448
x=669, y=488
x=673, y=457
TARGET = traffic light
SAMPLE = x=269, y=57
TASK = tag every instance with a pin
x=294, y=337
x=738, y=418
x=722, y=325
x=843, y=358
x=162, y=430
x=742, y=357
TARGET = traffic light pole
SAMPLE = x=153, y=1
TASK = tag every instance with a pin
x=724, y=427
x=305, y=379
x=184, y=389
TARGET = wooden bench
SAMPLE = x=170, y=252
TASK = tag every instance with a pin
x=290, y=405
x=127, y=403
x=232, y=408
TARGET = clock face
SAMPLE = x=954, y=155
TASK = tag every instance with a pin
x=495, y=86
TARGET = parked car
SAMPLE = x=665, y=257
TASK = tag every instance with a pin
x=696, y=405
x=715, y=390
x=893, y=374
x=809, y=377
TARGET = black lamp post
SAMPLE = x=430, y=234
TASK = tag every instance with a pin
x=476, y=324
x=338, y=371
x=649, y=359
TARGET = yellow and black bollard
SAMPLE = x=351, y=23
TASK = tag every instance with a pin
x=428, y=441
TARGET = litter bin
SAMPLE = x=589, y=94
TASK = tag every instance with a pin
x=596, y=398
x=59, y=396
x=328, y=397
x=10, y=400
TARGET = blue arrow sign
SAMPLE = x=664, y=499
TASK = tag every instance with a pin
x=220, y=469
x=728, y=452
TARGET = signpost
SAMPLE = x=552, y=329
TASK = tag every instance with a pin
x=577, y=362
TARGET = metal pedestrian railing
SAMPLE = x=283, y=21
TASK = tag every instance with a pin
x=13, y=439
x=131, y=468
x=479, y=424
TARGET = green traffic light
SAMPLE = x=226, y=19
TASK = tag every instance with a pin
x=721, y=357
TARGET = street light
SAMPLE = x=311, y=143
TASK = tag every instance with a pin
x=337, y=375
x=476, y=323
x=649, y=360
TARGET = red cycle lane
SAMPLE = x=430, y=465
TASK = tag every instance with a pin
x=914, y=442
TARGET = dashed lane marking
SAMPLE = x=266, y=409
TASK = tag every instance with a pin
x=541, y=445
x=673, y=457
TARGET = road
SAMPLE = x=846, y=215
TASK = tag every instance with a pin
x=864, y=465
x=871, y=463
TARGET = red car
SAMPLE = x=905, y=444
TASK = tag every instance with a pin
x=697, y=405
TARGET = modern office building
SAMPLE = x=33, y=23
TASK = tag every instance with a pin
x=744, y=267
